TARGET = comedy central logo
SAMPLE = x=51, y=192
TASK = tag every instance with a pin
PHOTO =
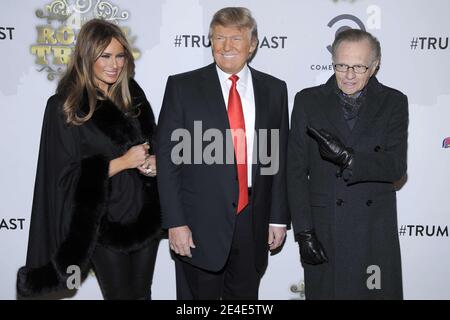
x=346, y=21
x=446, y=143
x=345, y=17
x=56, y=39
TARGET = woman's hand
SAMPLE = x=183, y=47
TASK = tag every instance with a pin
x=135, y=156
x=149, y=167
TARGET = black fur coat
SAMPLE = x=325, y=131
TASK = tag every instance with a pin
x=71, y=204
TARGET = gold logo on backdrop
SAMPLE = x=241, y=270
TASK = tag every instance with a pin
x=64, y=18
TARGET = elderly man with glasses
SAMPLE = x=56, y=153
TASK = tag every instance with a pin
x=347, y=147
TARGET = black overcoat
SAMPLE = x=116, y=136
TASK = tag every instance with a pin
x=354, y=216
x=75, y=204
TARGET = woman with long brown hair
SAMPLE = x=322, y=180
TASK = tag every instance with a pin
x=95, y=200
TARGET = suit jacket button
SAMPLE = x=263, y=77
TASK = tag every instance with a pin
x=338, y=174
x=339, y=202
x=369, y=203
x=234, y=204
x=377, y=148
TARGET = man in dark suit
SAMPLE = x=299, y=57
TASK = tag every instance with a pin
x=347, y=146
x=223, y=203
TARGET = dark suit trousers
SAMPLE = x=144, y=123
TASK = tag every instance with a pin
x=237, y=280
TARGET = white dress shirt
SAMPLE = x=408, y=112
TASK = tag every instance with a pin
x=245, y=88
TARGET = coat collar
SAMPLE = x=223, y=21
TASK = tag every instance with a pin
x=369, y=109
x=124, y=130
x=333, y=112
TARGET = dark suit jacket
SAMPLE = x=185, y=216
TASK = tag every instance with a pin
x=204, y=196
x=355, y=218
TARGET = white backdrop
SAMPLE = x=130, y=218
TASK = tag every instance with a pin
x=294, y=35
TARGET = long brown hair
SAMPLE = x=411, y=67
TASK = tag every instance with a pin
x=93, y=38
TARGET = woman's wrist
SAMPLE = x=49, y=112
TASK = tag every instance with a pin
x=117, y=165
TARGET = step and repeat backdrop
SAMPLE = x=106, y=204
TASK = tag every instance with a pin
x=169, y=37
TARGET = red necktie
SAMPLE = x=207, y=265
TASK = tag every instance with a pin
x=237, y=126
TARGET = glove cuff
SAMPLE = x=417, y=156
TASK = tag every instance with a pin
x=304, y=235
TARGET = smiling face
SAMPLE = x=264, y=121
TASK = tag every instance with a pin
x=231, y=47
x=109, y=65
x=354, y=53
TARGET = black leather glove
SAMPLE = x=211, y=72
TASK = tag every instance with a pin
x=311, y=250
x=331, y=148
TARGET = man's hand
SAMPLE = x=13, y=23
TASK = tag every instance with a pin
x=180, y=240
x=331, y=148
x=311, y=250
x=276, y=236
x=149, y=167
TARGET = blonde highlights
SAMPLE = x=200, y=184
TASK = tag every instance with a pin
x=79, y=79
x=235, y=17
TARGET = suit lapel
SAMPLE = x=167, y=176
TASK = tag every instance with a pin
x=215, y=109
x=215, y=103
x=261, y=114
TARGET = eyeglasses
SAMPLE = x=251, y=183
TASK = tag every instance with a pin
x=359, y=68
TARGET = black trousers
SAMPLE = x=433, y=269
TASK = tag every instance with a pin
x=124, y=276
x=237, y=280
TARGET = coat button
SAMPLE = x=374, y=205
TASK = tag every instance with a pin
x=377, y=148
x=338, y=174
x=339, y=202
x=369, y=203
x=234, y=204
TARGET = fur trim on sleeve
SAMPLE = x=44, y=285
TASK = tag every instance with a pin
x=89, y=207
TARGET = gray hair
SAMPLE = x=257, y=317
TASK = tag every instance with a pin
x=234, y=17
x=356, y=35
